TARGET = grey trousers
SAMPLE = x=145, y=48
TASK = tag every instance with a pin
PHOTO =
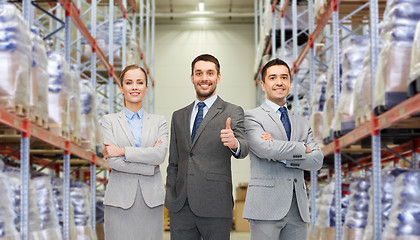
x=185, y=225
x=138, y=222
x=291, y=227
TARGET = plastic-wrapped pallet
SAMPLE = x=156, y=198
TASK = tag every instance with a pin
x=59, y=92
x=414, y=79
x=404, y=221
x=388, y=177
x=7, y=215
x=357, y=214
x=15, y=59
x=133, y=55
x=325, y=222
x=354, y=49
x=304, y=107
x=13, y=176
x=57, y=186
x=75, y=113
x=88, y=118
x=38, y=80
x=400, y=19
x=79, y=195
x=317, y=104
x=50, y=227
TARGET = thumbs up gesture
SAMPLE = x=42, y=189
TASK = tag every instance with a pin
x=227, y=136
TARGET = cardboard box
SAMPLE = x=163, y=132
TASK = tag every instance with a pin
x=241, y=225
x=241, y=191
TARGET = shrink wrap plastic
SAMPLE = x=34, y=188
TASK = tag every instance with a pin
x=59, y=91
x=414, y=78
x=352, y=58
x=316, y=120
x=7, y=215
x=400, y=19
x=57, y=184
x=13, y=175
x=50, y=227
x=404, y=221
x=38, y=83
x=79, y=195
x=75, y=111
x=15, y=58
x=88, y=114
x=388, y=177
x=357, y=214
x=133, y=55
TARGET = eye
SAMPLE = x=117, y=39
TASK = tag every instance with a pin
x=198, y=74
x=127, y=83
x=210, y=73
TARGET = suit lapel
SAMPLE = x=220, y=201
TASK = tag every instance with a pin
x=126, y=129
x=187, y=120
x=215, y=109
x=145, y=132
x=292, y=125
x=275, y=117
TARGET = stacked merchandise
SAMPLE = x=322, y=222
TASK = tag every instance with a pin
x=304, y=107
x=15, y=59
x=57, y=184
x=398, y=27
x=357, y=214
x=75, y=113
x=44, y=199
x=133, y=54
x=79, y=195
x=328, y=114
x=414, y=79
x=354, y=49
x=88, y=118
x=38, y=80
x=13, y=176
x=318, y=101
x=7, y=215
x=59, y=91
x=102, y=40
x=404, y=222
x=388, y=180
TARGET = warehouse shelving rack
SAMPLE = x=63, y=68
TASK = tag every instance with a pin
x=398, y=116
x=31, y=132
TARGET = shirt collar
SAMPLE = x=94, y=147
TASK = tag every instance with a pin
x=274, y=106
x=209, y=101
x=129, y=114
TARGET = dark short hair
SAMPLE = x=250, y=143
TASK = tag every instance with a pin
x=206, y=58
x=131, y=67
x=273, y=62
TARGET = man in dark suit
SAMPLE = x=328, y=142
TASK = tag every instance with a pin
x=204, y=136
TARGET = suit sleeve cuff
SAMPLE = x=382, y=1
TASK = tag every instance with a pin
x=238, y=151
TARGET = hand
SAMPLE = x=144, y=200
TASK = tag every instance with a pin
x=111, y=150
x=157, y=143
x=227, y=136
x=267, y=136
x=308, y=150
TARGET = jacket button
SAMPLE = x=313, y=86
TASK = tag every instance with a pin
x=191, y=154
x=295, y=180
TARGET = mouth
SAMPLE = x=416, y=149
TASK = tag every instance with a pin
x=280, y=90
x=204, y=85
x=134, y=94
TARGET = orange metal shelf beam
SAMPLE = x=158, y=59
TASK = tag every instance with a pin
x=400, y=112
x=26, y=127
x=73, y=12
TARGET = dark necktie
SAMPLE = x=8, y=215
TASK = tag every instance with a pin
x=285, y=120
x=198, y=119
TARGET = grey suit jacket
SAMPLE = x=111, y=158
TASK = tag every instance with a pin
x=270, y=188
x=201, y=170
x=138, y=165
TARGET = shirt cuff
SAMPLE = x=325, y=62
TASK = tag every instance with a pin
x=236, y=154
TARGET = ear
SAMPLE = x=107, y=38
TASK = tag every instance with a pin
x=121, y=89
x=219, y=76
x=262, y=85
x=192, y=79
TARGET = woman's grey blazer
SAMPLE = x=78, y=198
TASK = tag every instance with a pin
x=138, y=166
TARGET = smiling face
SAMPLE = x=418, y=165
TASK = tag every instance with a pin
x=277, y=84
x=134, y=88
x=205, y=79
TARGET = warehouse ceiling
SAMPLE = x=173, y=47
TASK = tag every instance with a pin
x=219, y=11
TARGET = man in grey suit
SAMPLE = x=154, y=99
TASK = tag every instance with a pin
x=282, y=146
x=204, y=136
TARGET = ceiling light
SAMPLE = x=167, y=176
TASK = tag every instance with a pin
x=201, y=6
